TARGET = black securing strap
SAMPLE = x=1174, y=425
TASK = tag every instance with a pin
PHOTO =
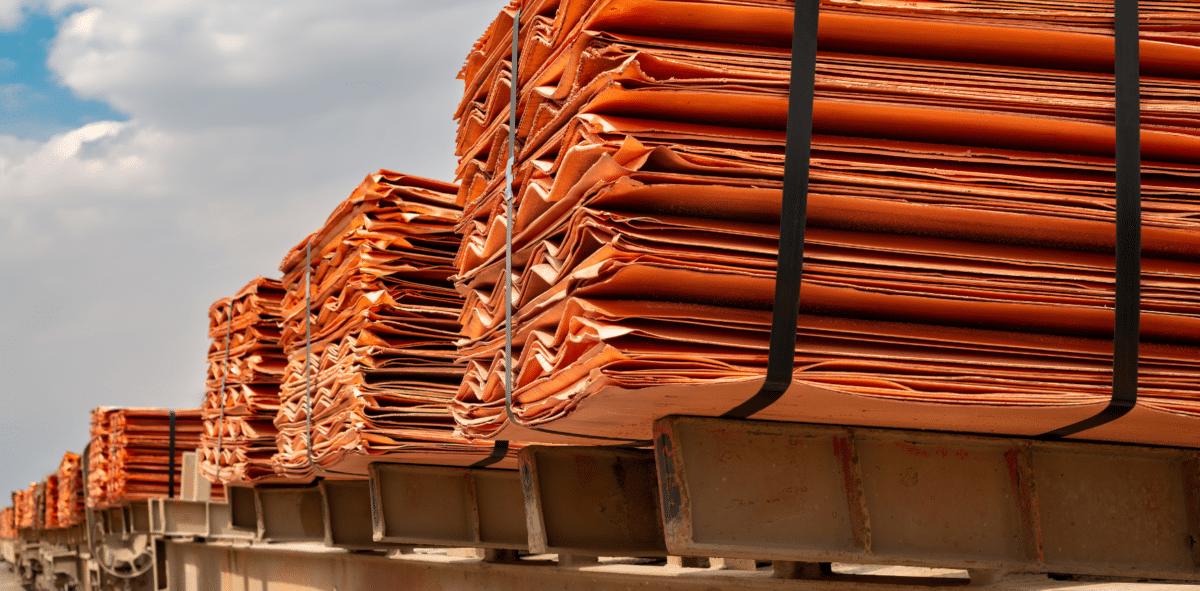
x=792, y=221
x=171, y=454
x=1129, y=224
x=499, y=452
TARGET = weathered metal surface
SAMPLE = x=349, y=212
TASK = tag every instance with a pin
x=814, y=493
x=599, y=501
x=243, y=508
x=193, y=486
x=447, y=506
x=306, y=567
x=289, y=514
x=176, y=517
x=348, y=516
x=220, y=523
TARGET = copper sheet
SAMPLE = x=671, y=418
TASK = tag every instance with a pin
x=8, y=523
x=383, y=325
x=25, y=507
x=69, y=508
x=252, y=377
x=958, y=269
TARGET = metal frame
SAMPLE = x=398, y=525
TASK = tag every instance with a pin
x=289, y=514
x=592, y=501
x=816, y=493
x=447, y=506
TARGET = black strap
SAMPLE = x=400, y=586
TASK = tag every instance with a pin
x=1129, y=224
x=792, y=222
x=499, y=452
x=171, y=454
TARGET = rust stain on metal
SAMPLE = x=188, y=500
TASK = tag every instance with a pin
x=1020, y=475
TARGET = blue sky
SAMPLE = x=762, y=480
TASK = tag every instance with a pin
x=33, y=102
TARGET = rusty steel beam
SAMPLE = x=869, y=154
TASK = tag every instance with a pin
x=447, y=506
x=591, y=501
x=289, y=514
x=818, y=494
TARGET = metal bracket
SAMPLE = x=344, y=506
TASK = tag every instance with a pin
x=815, y=493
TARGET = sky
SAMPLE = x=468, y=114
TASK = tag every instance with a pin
x=155, y=155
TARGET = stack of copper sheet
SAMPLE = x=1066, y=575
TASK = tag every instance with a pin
x=49, y=504
x=246, y=328
x=383, y=325
x=136, y=462
x=99, y=457
x=69, y=510
x=958, y=269
x=25, y=506
x=8, y=524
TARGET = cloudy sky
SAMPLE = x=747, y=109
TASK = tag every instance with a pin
x=157, y=154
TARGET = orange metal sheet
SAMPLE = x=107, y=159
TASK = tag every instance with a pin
x=958, y=269
x=244, y=430
x=383, y=330
x=8, y=523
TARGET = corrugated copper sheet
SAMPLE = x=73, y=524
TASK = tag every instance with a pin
x=25, y=506
x=959, y=268
x=383, y=326
x=252, y=377
x=49, y=504
x=8, y=523
x=99, y=457
x=69, y=510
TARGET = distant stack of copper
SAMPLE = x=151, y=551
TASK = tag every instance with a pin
x=69, y=509
x=137, y=462
x=25, y=505
x=48, y=507
x=8, y=524
x=99, y=457
x=382, y=317
x=239, y=441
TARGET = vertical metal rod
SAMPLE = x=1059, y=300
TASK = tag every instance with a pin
x=508, y=214
x=308, y=353
x=224, y=377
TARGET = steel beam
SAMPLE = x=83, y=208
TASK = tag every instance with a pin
x=818, y=494
x=447, y=506
x=139, y=516
x=193, y=486
x=290, y=514
x=592, y=501
x=220, y=523
x=175, y=517
x=349, y=520
x=243, y=509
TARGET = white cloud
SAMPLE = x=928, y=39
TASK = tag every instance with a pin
x=248, y=122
